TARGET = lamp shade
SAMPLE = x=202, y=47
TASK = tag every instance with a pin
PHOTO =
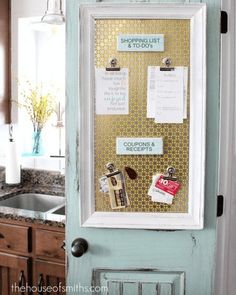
x=54, y=14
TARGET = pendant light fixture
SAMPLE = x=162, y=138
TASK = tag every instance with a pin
x=54, y=14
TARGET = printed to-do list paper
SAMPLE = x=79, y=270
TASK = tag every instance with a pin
x=167, y=94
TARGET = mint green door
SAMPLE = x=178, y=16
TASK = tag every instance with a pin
x=123, y=261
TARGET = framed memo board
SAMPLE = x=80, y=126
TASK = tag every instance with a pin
x=142, y=97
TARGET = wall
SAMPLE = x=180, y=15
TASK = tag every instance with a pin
x=4, y=61
x=20, y=9
x=45, y=163
x=23, y=8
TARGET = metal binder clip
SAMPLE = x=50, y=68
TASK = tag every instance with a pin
x=167, y=62
x=170, y=171
x=113, y=65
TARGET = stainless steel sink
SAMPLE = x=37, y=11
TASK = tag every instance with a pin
x=33, y=202
x=60, y=211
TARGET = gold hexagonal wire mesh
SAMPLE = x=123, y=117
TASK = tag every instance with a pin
x=108, y=127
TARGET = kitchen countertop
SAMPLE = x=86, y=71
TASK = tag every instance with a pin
x=33, y=181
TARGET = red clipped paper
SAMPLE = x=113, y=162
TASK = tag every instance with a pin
x=169, y=186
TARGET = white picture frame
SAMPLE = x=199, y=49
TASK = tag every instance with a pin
x=194, y=218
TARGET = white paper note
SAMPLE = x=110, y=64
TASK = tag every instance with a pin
x=112, y=92
x=169, y=96
x=151, y=91
x=158, y=86
x=161, y=197
x=185, y=106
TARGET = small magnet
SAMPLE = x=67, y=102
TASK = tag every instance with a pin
x=131, y=172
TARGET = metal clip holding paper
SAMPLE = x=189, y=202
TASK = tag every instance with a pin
x=167, y=62
x=113, y=65
x=170, y=171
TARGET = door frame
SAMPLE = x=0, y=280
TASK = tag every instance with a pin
x=197, y=247
x=227, y=150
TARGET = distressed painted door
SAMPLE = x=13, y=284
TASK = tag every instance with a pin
x=225, y=277
x=123, y=261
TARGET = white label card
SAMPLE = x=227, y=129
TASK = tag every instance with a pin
x=139, y=146
x=140, y=42
x=112, y=92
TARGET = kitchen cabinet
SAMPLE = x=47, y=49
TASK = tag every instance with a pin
x=31, y=256
x=5, y=93
x=14, y=273
x=49, y=267
x=49, y=275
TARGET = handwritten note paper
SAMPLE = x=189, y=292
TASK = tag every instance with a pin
x=112, y=92
x=167, y=94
